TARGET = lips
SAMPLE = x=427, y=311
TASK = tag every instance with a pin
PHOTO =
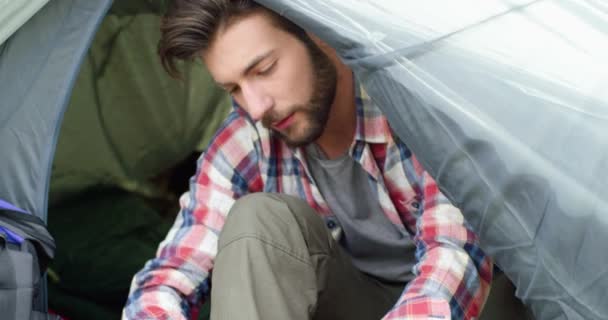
x=285, y=123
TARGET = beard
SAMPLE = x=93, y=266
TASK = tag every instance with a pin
x=315, y=112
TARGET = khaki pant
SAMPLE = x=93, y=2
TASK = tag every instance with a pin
x=277, y=260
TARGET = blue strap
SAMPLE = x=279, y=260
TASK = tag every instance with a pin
x=7, y=206
x=6, y=233
x=10, y=236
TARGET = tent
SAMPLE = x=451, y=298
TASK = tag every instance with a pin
x=505, y=103
x=49, y=55
x=85, y=103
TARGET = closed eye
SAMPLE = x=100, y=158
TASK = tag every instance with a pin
x=268, y=70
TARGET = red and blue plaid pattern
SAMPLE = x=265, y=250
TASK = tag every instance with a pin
x=453, y=273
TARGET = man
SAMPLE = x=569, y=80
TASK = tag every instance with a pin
x=304, y=206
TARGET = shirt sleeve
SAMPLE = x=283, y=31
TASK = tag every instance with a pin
x=453, y=274
x=178, y=277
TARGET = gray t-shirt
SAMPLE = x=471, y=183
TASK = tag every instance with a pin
x=376, y=245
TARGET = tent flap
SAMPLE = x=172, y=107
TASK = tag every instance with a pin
x=37, y=69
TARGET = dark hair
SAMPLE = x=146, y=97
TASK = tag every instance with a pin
x=189, y=26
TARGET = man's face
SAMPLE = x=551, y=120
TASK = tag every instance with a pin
x=274, y=76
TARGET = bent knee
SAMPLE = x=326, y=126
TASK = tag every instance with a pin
x=275, y=218
x=259, y=213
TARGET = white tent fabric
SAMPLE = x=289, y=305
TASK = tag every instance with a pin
x=506, y=104
x=14, y=13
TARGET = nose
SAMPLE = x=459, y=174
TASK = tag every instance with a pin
x=257, y=101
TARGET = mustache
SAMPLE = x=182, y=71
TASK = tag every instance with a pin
x=272, y=116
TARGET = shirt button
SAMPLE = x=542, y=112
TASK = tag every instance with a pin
x=331, y=224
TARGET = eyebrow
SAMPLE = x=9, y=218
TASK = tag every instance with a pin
x=250, y=66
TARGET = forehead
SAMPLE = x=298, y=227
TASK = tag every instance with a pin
x=241, y=41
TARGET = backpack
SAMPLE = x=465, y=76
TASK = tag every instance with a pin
x=26, y=248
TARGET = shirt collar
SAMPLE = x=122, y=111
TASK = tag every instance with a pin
x=372, y=126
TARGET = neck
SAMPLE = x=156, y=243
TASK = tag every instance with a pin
x=340, y=129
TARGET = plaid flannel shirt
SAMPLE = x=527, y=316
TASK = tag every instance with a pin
x=453, y=274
